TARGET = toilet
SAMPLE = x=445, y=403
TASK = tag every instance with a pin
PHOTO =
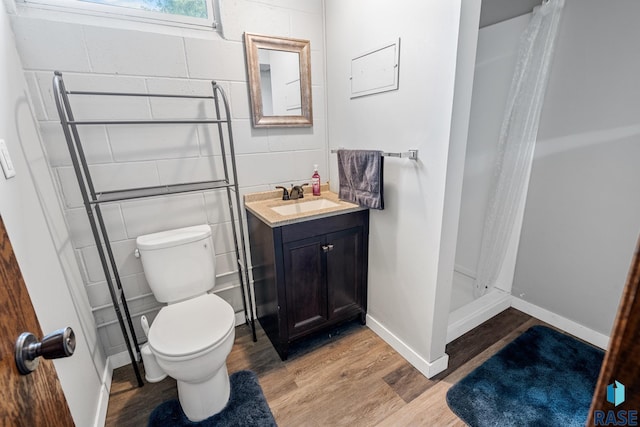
x=192, y=336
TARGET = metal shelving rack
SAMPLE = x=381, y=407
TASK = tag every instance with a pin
x=92, y=199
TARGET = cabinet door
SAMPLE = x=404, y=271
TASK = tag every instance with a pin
x=345, y=265
x=305, y=285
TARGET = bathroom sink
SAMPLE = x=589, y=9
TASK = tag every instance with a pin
x=304, y=207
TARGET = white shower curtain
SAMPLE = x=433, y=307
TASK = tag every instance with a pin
x=517, y=140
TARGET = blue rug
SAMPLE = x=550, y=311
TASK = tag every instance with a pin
x=542, y=378
x=246, y=407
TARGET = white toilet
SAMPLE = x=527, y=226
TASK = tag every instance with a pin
x=192, y=336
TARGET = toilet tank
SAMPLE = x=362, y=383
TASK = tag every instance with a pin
x=178, y=264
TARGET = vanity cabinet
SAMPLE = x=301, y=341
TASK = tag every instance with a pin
x=309, y=276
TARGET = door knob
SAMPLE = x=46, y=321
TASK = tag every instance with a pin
x=60, y=343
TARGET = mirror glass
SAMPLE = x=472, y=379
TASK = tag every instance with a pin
x=279, y=81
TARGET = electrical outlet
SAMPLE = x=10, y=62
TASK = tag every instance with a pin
x=5, y=160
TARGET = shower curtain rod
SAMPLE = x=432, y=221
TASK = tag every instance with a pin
x=411, y=154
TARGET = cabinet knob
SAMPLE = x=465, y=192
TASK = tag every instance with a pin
x=327, y=248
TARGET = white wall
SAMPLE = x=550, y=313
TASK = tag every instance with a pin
x=99, y=55
x=406, y=237
x=460, y=121
x=495, y=11
x=582, y=214
x=40, y=240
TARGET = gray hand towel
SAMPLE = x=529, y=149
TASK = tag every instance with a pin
x=360, y=173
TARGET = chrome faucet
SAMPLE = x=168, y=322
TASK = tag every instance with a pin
x=297, y=192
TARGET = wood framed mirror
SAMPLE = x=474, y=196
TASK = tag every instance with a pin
x=279, y=71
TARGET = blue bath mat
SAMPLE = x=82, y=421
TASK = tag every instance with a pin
x=542, y=378
x=246, y=407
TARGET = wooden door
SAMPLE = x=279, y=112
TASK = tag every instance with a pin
x=26, y=400
x=622, y=360
x=345, y=272
x=305, y=285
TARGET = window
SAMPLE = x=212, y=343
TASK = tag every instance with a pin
x=193, y=12
x=193, y=8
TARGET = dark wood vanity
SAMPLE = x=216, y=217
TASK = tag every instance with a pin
x=309, y=275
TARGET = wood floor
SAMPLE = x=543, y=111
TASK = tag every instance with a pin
x=349, y=377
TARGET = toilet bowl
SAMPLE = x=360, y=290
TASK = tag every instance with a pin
x=192, y=336
x=191, y=341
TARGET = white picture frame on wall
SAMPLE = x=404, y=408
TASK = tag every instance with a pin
x=376, y=70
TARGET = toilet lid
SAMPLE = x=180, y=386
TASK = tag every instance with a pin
x=191, y=326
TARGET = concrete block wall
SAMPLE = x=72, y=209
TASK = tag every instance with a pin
x=97, y=57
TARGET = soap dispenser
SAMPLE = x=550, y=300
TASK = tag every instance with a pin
x=315, y=181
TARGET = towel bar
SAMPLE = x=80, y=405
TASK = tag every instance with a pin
x=411, y=154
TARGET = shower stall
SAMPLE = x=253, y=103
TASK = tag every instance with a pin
x=509, y=82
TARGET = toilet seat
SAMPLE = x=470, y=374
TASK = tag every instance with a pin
x=192, y=326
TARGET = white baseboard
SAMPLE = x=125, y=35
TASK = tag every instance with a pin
x=119, y=360
x=103, y=402
x=476, y=313
x=567, y=325
x=240, y=320
x=428, y=369
x=107, y=376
